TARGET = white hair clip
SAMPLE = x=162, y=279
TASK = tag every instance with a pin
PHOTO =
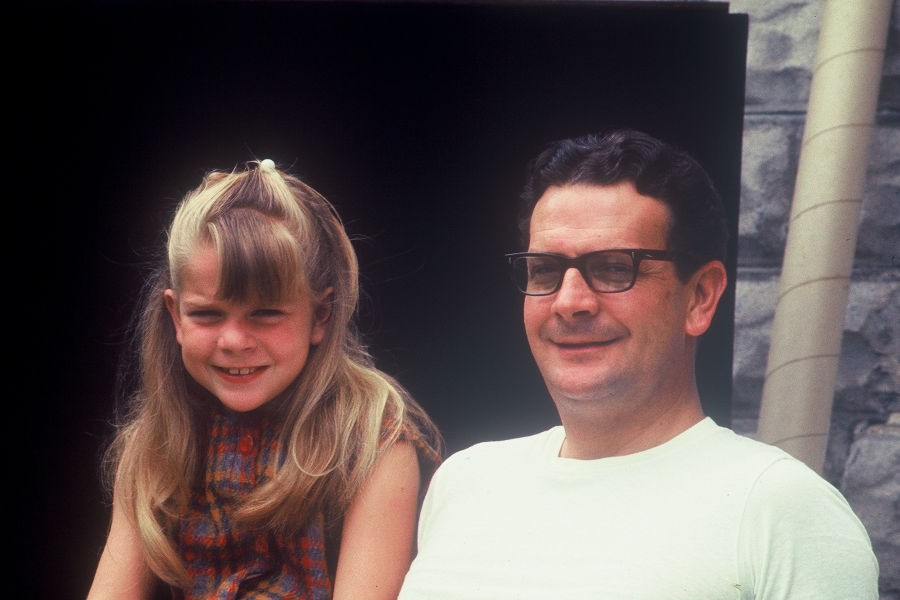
x=267, y=164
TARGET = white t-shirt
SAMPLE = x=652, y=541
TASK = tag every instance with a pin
x=708, y=515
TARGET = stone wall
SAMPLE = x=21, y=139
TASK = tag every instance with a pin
x=863, y=454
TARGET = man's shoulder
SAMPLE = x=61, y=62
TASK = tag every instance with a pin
x=757, y=460
x=732, y=444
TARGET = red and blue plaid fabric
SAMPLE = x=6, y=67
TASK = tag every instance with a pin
x=226, y=560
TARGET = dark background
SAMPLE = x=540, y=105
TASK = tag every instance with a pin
x=415, y=119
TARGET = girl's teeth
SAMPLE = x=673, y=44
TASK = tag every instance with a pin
x=244, y=371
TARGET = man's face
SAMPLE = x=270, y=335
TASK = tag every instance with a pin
x=622, y=349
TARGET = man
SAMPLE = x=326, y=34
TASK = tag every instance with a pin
x=637, y=495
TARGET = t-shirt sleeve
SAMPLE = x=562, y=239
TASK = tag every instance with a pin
x=801, y=540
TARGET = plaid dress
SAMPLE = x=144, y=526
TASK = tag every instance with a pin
x=227, y=561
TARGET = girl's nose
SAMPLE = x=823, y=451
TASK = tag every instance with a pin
x=235, y=337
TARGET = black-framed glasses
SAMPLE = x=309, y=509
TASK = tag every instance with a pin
x=606, y=271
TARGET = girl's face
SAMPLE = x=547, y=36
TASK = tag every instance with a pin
x=244, y=354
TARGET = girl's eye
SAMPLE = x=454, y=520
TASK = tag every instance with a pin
x=205, y=315
x=204, y=318
x=267, y=313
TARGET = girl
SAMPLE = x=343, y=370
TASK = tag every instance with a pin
x=263, y=455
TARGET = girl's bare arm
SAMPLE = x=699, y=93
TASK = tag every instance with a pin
x=379, y=529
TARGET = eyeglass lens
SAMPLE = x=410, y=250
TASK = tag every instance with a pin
x=604, y=271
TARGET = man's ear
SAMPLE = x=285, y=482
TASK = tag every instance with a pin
x=322, y=317
x=171, y=301
x=705, y=288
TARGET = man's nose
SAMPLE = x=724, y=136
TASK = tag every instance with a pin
x=574, y=296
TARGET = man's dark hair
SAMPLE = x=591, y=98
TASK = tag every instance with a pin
x=657, y=169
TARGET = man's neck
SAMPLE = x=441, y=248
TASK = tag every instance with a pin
x=602, y=433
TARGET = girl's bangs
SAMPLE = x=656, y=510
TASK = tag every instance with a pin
x=259, y=259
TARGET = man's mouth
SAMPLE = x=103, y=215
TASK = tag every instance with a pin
x=577, y=345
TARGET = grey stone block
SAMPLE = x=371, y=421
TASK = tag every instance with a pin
x=871, y=484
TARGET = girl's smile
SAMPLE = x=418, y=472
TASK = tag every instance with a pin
x=244, y=353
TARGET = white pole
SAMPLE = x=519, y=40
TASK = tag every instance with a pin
x=795, y=412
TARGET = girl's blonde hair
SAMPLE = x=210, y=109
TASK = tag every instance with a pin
x=275, y=237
